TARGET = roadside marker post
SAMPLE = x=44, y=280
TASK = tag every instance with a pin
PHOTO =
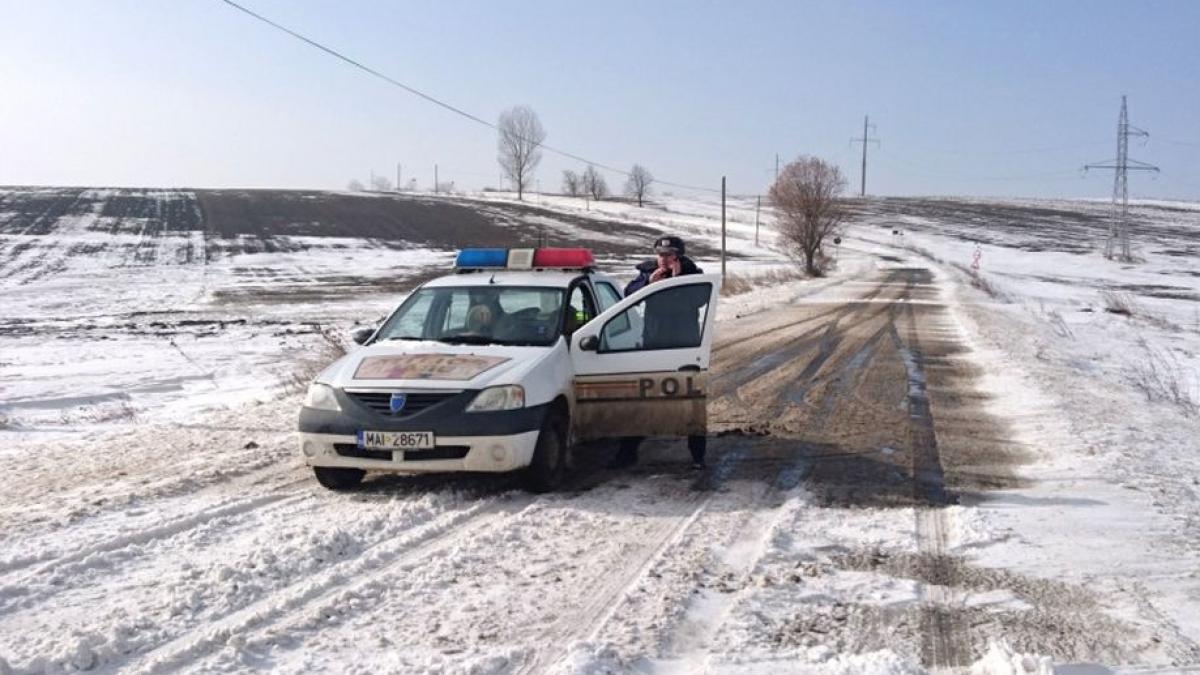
x=722, y=228
x=757, y=206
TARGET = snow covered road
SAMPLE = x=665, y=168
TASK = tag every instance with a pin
x=892, y=489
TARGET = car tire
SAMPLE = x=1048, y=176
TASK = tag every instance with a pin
x=548, y=466
x=338, y=478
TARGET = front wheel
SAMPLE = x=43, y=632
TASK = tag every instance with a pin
x=545, y=472
x=337, y=477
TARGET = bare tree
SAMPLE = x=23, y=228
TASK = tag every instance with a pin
x=572, y=183
x=381, y=184
x=355, y=185
x=638, y=185
x=593, y=183
x=806, y=197
x=521, y=137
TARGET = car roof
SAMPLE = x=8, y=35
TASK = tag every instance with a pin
x=555, y=278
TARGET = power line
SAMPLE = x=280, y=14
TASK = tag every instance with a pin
x=1186, y=144
x=924, y=172
x=458, y=111
x=1016, y=151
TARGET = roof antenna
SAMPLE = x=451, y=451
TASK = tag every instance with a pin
x=493, y=279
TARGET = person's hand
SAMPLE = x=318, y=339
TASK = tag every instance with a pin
x=659, y=274
x=676, y=267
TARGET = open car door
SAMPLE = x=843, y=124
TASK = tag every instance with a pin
x=641, y=366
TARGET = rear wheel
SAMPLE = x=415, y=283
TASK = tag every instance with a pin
x=546, y=470
x=337, y=477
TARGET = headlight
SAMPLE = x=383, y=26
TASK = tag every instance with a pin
x=320, y=396
x=507, y=397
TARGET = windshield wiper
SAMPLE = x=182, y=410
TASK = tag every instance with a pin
x=466, y=339
x=400, y=337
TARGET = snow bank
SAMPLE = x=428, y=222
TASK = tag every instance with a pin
x=1001, y=659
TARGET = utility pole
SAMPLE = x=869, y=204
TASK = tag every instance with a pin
x=435, y=179
x=865, y=140
x=1118, y=228
x=777, y=167
x=397, y=176
x=722, y=228
x=371, y=184
x=757, y=206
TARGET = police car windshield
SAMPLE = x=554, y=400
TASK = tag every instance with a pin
x=506, y=315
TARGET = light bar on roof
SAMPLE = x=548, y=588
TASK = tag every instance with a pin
x=525, y=258
x=563, y=257
x=482, y=257
x=520, y=258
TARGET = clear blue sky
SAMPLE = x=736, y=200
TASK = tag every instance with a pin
x=982, y=98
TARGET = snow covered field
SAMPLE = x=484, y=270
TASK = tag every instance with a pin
x=157, y=517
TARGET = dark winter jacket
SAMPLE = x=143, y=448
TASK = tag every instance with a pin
x=672, y=319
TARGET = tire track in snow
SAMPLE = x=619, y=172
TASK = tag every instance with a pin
x=32, y=587
x=610, y=591
x=706, y=614
x=172, y=526
x=327, y=587
x=838, y=358
x=607, y=593
x=945, y=642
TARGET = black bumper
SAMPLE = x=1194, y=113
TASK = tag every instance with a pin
x=447, y=418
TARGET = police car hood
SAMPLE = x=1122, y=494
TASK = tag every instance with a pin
x=433, y=365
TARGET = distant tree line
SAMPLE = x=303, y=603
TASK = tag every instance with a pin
x=520, y=137
x=592, y=184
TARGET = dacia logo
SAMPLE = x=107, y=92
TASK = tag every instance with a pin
x=397, y=402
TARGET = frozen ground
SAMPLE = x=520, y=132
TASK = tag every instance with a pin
x=157, y=517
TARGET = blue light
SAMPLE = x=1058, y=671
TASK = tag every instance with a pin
x=482, y=257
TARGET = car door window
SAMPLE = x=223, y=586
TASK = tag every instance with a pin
x=670, y=319
x=581, y=308
x=607, y=295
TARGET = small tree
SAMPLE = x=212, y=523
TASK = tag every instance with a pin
x=806, y=197
x=520, y=139
x=355, y=185
x=594, y=184
x=638, y=185
x=381, y=184
x=571, y=183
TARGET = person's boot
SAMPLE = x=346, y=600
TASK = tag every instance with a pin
x=697, y=445
x=627, y=455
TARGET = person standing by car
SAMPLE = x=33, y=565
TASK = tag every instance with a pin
x=676, y=324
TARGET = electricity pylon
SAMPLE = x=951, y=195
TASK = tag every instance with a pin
x=865, y=140
x=1118, y=228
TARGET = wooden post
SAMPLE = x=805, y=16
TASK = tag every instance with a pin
x=722, y=227
x=757, y=206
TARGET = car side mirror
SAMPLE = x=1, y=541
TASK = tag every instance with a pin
x=361, y=335
x=590, y=343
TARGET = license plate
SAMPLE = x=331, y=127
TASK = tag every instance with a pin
x=395, y=440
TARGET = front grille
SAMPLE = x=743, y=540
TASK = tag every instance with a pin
x=439, y=452
x=381, y=401
x=351, y=450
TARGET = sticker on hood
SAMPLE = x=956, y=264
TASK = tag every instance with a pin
x=425, y=367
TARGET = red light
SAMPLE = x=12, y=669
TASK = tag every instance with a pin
x=563, y=257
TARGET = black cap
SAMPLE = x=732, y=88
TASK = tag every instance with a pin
x=668, y=244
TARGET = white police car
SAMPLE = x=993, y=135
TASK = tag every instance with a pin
x=506, y=364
